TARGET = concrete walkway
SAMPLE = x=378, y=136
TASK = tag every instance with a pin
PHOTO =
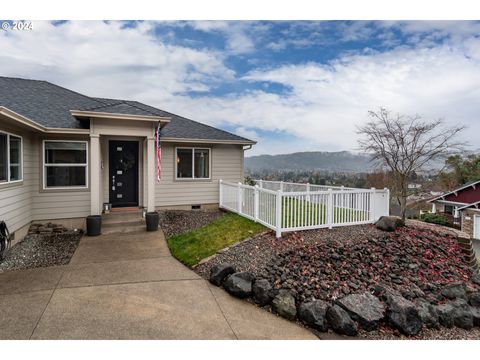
x=128, y=287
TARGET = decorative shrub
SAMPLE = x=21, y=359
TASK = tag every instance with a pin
x=435, y=219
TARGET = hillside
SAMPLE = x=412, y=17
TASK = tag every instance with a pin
x=314, y=160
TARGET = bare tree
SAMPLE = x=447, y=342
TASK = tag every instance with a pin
x=406, y=144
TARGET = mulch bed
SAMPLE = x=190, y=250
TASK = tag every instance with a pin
x=176, y=222
x=330, y=263
x=42, y=250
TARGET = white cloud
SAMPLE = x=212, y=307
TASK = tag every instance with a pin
x=101, y=58
x=327, y=101
x=320, y=111
x=247, y=133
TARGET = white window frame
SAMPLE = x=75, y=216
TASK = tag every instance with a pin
x=193, y=163
x=8, y=181
x=44, y=166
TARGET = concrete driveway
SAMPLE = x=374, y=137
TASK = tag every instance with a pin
x=128, y=286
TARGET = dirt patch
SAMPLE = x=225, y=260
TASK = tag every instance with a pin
x=176, y=222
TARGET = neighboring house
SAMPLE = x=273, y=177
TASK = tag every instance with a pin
x=63, y=155
x=463, y=205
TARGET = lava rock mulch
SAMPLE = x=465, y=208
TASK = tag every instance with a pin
x=176, y=222
x=358, y=280
x=44, y=245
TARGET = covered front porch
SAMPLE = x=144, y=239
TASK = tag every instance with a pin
x=122, y=163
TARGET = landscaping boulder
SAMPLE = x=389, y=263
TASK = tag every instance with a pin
x=476, y=316
x=446, y=314
x=403, y=315
x=364, y=308
x=313, y=313
x=239, y=284
x=219, y=273
x=455, y=290
x=385, y=292
x=389, y=223
x=428, y=314
x=462, y=314
x=262, y=292
x=284, y=305
x=474, y=298
x=475, y=279
x=340, y=321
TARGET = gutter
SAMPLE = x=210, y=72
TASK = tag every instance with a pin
x=207, y=141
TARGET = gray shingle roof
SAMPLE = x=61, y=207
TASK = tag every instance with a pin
x=180, y=127
x=49, y=105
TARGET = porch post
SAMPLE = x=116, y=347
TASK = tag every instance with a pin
x=95, y=208
x=434, y=208
x=150, y=174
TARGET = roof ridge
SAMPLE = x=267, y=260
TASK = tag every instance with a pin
x=209, y=126
x=139, y=108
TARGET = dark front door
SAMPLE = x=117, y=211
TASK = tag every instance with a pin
x=123, y=173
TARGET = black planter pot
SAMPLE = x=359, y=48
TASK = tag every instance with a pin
x=94, y=225
x=152, y=218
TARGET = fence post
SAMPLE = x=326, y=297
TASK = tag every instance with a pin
x=387, y=200
x=330, y=208
x=281, y=185
x=261, y=183
x=239, y=198
x=308, y=192
x=255, y=203
x=278, y=214
x=373, y=202
x=220, y=193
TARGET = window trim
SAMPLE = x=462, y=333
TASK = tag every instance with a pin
x=8, y=181
x=193, y=148
x=44, y=166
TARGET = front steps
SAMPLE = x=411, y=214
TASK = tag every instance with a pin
x=121, y=222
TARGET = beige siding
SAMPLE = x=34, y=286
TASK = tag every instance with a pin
x=226, y=162
x=15, y=199
x=56, y=204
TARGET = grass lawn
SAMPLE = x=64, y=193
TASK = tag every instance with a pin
x=298, y=211
x=198, y=244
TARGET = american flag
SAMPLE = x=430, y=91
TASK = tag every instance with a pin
x=159, y=154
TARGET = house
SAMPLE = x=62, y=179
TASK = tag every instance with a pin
x=64, y=154
x=463, y=205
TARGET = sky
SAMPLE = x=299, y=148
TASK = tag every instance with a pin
x=289, y=85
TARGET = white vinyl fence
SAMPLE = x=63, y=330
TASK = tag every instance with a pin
x=283, y=206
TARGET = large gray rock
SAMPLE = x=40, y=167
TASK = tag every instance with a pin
x=262, y=292
x=218, y=273
x=462, y=315
x=239, y=284
x=474, y=298
x=446, y=314
x=428, y=314
x=340, y=321
x=313, y=313
x=364, y=308
x=403, y=315
x=284, y=305
x=476, y=316
x=456, y=290
x=389, y=223
x=385, y=292
x=475, y=279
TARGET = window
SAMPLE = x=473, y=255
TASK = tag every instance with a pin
x=10, y=158
x=65, y=164
x=193, y=163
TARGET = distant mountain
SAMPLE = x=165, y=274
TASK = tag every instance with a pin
x=313, y=160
